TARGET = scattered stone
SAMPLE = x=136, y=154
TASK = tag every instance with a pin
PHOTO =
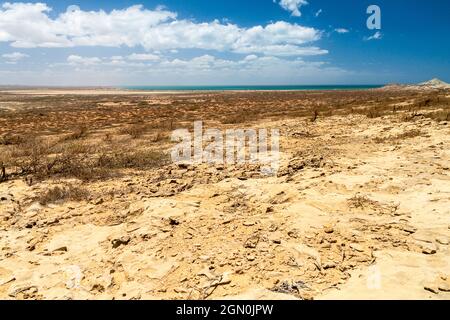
x=290, y=287
x=120, y=241
x=356, y=247
x=428, y=249
x=173, y=222
x=60, y=249
x=251, y=257
x=442, y=240
x=444, y=283
x=7, y=280
x=329, y=265
x=432, y=287
x=409, y=229
x=21, y=288
x=252, y=242
x=328, y=229
x=98, y=201
x=180, y=290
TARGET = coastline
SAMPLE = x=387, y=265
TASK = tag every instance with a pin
x=152, y=90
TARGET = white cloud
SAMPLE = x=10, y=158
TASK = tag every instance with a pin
x=376, y=36
x=78, y=60
x=341, y=30
x=250, y=57
x=143, y=57
x=200, y=70
x=14, y=56
x=29, y=25
x=200, y=63
x=293, y=6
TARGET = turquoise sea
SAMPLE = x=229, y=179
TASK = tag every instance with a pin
x=251, y=88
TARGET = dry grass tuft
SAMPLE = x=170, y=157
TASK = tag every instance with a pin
x=134, y=130
x=77, y=134
x=11, y=139
x=64, y=193
x=439, y=116
x=402, y=136
x=363, y=202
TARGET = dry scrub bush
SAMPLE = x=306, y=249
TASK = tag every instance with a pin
x=314, y=115
x=402, y=136
x=42, y=159
x=439, y=116
x=363, y=202
x=11, y=139
x=140, y=159
x=373, y=113
x=64, y=193
x=77, y=134
x=134, y=130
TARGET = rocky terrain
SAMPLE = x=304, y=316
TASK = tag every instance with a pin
x=92, y=209
x=432, y=85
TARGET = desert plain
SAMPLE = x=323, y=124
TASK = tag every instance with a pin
x=92, y=207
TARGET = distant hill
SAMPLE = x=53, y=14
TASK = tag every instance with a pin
x=434, y=84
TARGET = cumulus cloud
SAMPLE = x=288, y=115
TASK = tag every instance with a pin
x=202, y=69
x=78, y=60
x=341, y=30
x=376, y=36
x=143, y=57
x=29, y=25
x=14, y=56
x=293, y=6
x=200, y=63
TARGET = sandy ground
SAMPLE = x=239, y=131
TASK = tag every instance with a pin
x=347, y=217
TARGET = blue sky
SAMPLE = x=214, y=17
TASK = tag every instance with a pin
x=199, y=42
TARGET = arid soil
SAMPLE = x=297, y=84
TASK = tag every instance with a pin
x=92, y=207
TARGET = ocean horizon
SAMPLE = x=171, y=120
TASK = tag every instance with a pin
x=254, y=88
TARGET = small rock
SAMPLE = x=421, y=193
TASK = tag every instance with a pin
x=444, y=284
x=251, y=242
x=225, y=279
x=428, y=249
x=15, y=290
x=409, y=229
x=328, y=229
x=180, y=290
x=98, y=201
x=120, y=241
x=251, y=257
x=173, y=222
x=356, y=247
x=329, y=265
x=7, y=280
x=432, y=287
x=442, y=240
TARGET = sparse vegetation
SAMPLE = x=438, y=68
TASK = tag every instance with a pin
x=88, y=137
x=363, y=202
x=402, y=136
x=134, y=130
x=63, y=193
